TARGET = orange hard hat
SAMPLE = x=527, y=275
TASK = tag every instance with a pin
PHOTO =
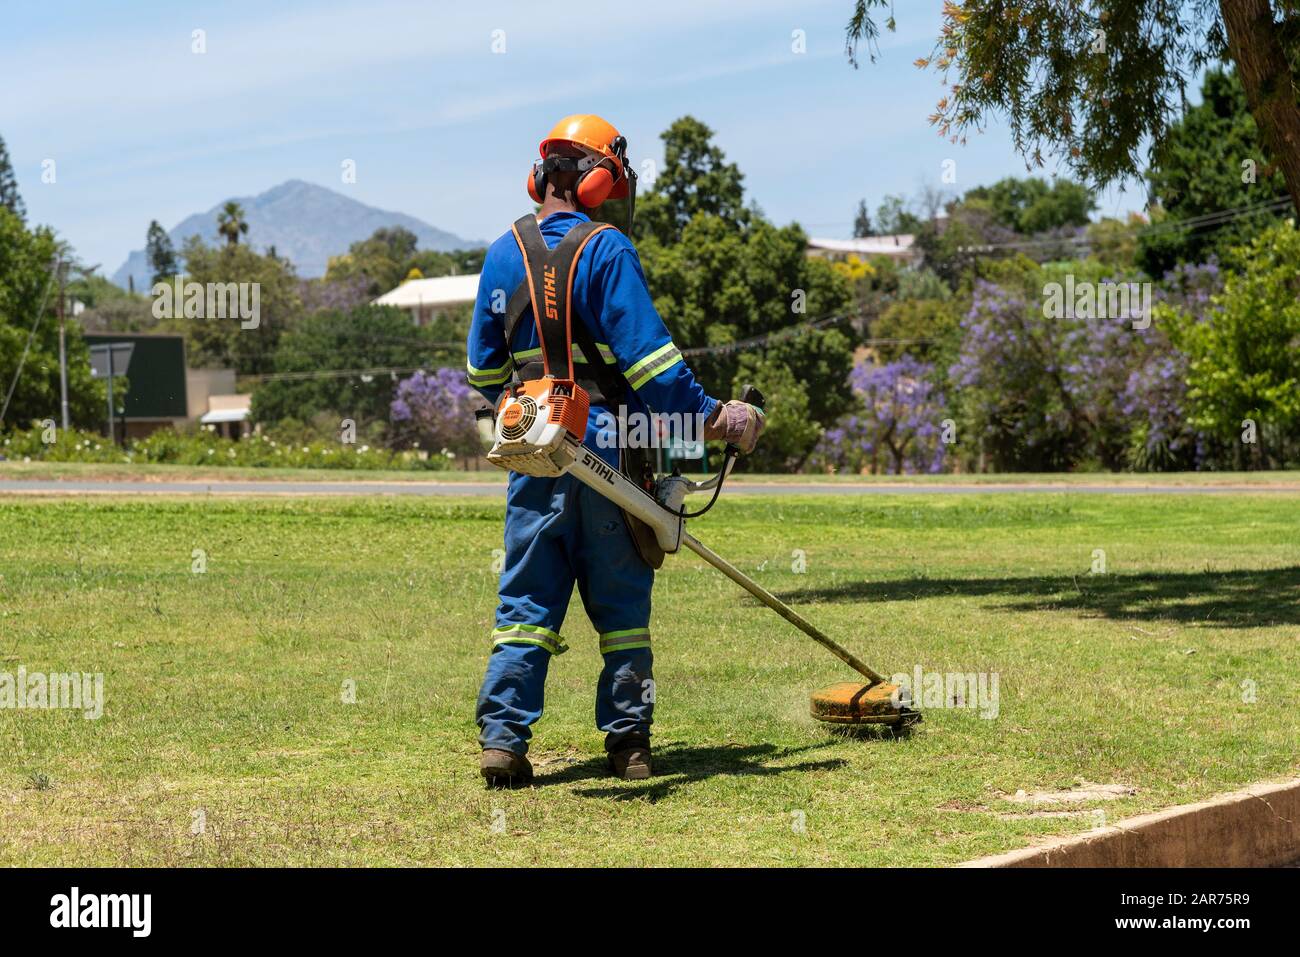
x=593, y=133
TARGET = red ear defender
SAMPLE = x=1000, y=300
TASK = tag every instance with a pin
x=536, y=184
x=595, y=186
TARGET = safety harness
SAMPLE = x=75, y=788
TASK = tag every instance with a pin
x=547, y=288
x=568, y=349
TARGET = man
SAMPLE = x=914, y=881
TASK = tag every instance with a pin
x=559, y=532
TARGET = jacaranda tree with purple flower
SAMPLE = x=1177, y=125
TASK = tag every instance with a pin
x=436, y=410
x=897, y=427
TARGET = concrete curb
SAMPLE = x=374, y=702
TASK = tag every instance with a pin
x=1258, y=826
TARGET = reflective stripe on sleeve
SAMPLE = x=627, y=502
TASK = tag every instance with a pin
x=656, y=362
x=484, y=377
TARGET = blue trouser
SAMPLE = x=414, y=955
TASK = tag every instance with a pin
x=559, y=532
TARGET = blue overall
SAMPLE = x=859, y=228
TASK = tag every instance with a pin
x=558, y=532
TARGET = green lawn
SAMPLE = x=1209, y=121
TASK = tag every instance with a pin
x=223, y=689
x=94, y=471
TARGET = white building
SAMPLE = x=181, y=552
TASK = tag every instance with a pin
x=423, y=298
x=895, y=247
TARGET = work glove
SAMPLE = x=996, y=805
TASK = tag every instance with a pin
x=737, y=423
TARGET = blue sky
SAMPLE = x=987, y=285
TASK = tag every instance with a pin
x=442, y=127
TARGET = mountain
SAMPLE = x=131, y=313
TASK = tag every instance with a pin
x=305, y=223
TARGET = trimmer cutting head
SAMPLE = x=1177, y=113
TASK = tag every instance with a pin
x=848, y=702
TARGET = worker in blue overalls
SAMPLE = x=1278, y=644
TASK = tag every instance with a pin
x=558, y=531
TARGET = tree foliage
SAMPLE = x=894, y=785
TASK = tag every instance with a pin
x=225, y=342
x=10, y=198
x=696, y=180
x=231, y=223
x=862, y=227
x=722, y=274
x=358, y=342
x=897, y=426
x=1211, y=160
x=27, y=291
x=389, y=257
x=1094, y=83
x=435, y=411
x=1030, y=205
x=1244, y=356
x=160, y=252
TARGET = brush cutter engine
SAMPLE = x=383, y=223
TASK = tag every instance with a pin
x=539, y=427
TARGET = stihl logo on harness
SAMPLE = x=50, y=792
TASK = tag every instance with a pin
x=548, y=293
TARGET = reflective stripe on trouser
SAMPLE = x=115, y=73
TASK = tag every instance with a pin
x=529, y=635
x=625, y=639
x=560, y=533
x=511, y=699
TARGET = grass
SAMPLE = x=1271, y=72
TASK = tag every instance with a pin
x=93, y=471
x=223, y=688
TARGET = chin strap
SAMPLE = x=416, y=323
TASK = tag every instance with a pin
x=619, y=148
x=630, y=173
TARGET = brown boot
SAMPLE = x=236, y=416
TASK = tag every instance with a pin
x=505, y=769
x=631, y=760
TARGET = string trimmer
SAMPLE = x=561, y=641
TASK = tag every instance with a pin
x=538, y=431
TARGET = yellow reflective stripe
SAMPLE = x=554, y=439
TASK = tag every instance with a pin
x=476, y=372
x=529, y=635
x=623, y=640
x=487, y=376
x=606, y=354
x=653, y=364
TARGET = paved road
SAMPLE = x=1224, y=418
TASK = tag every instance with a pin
x=497, y=489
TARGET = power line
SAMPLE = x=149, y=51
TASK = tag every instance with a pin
x=1202, y=221
x=332, y=373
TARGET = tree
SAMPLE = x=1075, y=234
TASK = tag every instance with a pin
x=231, y=223
x=28, y=293
x=924, y=328
x=436, y=412
x=1244, y=356
x=9, y=196
x=897, y=427
x=359, y=342
x=1094, y=82
x=695, y=180
x=213, y=341
x=1212, y=159
x=862, y=222
x=894, y=217
x=723, y=276
x=388, y=257
x=988, y=222
x=1031, y=206
x=720, y=286
x=160, y=252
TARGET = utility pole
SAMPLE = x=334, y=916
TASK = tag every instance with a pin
x=63, y=351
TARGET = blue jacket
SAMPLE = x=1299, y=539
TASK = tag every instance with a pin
x=611, y=297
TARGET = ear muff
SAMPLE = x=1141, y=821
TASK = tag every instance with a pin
x=595, y=186
x=537, y=183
